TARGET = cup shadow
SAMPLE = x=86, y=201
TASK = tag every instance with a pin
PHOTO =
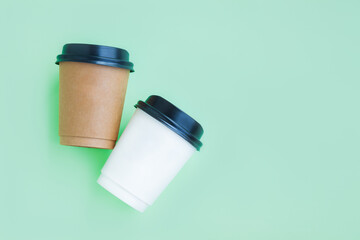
x=53, y=109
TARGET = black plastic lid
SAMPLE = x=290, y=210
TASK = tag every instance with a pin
x=174, y=118
x=97, y=54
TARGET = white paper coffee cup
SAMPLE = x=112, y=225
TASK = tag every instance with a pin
x=155, y=145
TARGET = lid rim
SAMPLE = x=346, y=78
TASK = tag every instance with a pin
x=112, y=62
x=168, y=122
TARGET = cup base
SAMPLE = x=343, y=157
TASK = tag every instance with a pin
x=121, y=193
x=87, y=142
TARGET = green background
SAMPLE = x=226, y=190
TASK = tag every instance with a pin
x=275, y=85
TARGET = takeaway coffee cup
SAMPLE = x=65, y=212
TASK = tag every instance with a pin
x=156, y=143
x=93, y=81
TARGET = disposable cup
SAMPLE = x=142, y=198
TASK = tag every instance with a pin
x=155, y=145
x=93, y=81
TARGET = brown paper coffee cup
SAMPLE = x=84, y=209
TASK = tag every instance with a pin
x=91, y=101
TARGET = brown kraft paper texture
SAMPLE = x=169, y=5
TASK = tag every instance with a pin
x=91, y=103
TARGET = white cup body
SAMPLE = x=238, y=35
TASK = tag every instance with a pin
x=146, y=158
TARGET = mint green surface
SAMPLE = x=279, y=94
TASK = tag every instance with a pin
x=275, y=85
